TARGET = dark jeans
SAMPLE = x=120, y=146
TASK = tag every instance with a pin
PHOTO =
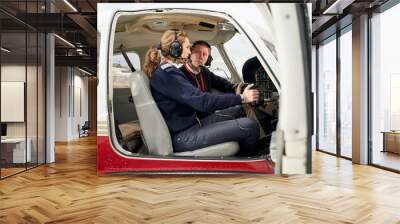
x=221, y=126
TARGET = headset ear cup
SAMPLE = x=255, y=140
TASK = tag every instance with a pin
x=209, y=60
x=175, y=50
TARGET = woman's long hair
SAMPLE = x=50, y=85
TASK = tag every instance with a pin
x=153, y=57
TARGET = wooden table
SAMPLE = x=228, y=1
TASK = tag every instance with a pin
x=13, y=150
x=391, y=141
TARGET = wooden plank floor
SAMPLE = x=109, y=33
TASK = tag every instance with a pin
x=69, y=191
x=387, y=159
x=10, y=171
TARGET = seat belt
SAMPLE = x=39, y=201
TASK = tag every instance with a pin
x=128, y=61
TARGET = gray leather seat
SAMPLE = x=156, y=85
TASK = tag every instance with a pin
x=154, y=129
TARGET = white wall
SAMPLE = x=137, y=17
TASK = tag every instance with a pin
x=33, y=126
x=13, y=73
x=82, y=82
x=79, y=117
x=69, y=82
x=61, y=103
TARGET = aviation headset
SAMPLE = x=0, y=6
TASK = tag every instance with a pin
x=210, y=58
x=175, y=49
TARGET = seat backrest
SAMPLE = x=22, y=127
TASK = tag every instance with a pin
x=86, y=125
x=124, y=110
x=155, y=130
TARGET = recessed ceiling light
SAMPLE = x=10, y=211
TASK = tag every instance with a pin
x=5, y=50
x=84, y=71
x=70, y=5
x=337, y=7
x=64, y=40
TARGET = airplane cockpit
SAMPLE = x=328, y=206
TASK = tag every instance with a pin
x=235, y=59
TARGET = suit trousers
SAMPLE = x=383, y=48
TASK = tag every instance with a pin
x=226, y=125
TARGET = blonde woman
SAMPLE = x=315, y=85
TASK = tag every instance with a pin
x=178, y=101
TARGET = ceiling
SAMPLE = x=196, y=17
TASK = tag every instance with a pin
x=76, y=23
x=141, y=31
x=72, y=20
x=328, y=16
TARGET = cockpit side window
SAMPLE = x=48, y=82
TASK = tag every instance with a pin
x=119, y=61
x=218, y=66
x=239, y=50
x=127, y=127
